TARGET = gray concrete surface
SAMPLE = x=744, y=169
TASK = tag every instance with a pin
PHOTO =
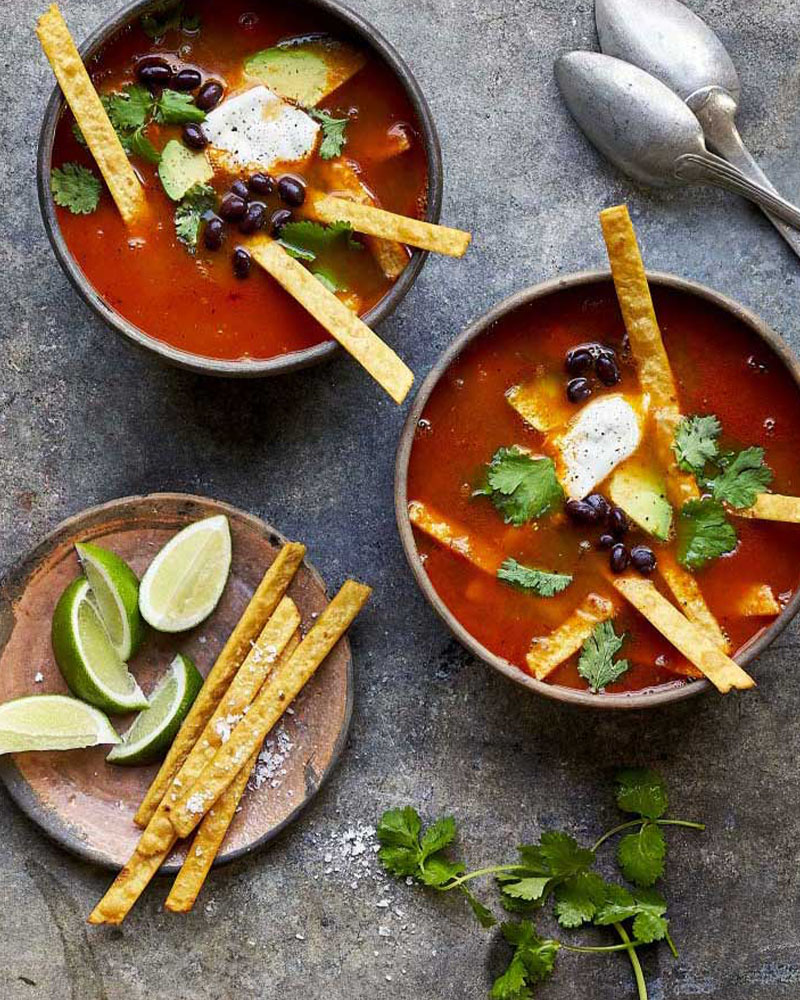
x=83, y=419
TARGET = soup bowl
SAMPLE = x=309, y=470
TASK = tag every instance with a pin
x=576, y=284
x=350, y=26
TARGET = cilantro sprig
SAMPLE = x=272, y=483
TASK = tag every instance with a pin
x=557, y=869
x=198, y=202
x=333, y=137
x=741, y=478
x=596, y=663
x=704, y=533
x=538, y=581
x=520, y=486
x=696, y=442
x=75, y=187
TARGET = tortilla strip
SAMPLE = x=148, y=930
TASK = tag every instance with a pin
x=86, y=106
x=773, y=507
x=757, y=600
x=455, y=536
x=282, y=687
x=261, y=606
x=159, y=837
x=695, y=643
x=549, y=651
x=366, y=347
x=686, y=592
x=647, y=346
x=387, y=225
x=343, y=181
x=541, y=402
x=212, y=832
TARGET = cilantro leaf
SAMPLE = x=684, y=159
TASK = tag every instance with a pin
x=646, y=906
x=176, y=108
x=76, y=131
x=743, y=477
x=437, y=836
x=305, y=240
x=483, y=914
x=137, y=144
x=704, y=533
x=578, y=899
x=169, y=17
x=333, y=137
x=529, y=888
x=75, y=187
x=641, y=791
x=190, y=212
x=532, y=962
x=400, y=828
x=617, y=906
x=696, y=442
x=641, y=855
x=436, y=870
x=596, y=663
x=130, y=109
x=329, y=282
x=521, y=487
x=563, y=854
x=537, y=580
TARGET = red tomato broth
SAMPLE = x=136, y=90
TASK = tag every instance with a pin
x=195, y=303
x=467, y=418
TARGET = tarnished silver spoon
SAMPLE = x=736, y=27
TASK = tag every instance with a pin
x=667, y=39
x=647, y=131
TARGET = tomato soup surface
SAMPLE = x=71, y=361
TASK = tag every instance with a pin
x=195, y=302
x=720, y=367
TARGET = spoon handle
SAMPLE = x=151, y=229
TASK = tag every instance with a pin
x=706, y=168
x=716, y=115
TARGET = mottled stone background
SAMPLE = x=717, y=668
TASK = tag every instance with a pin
x=83, y=419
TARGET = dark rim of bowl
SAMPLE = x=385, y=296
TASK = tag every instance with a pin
x=355, y=25
x=22, y=793
x=648, y=698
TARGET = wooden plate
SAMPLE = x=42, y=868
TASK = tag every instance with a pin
x=87, y=805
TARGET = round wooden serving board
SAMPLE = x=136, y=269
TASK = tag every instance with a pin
x=87, y=805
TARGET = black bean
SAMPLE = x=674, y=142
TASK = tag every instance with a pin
x=261, y=184
x=600, y=504
x=254, y=217
x=579, y=360
x=291, y=190
x=194, y=136
x=278, y=220
x=154, y=74
x=578, y=389
x=607, y=369
x=186, y=79
x=214, y=233
x=618, y=522
x=239, y=187
x=209, y=95
x=605, y=541
x=618, y=558
x=232, y=207
x=241, y=262
x=581, y=511
x=643, y=559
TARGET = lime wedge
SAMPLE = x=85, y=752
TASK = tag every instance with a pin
x=85, y=655
x=154, y=729
x=116, y=592
x=52, y=722
x=185, y=581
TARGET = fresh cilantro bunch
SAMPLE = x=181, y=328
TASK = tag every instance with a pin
x=75, y=187
x=556, y=869
x=520, y=486
x=537, y=581
x=333, y=137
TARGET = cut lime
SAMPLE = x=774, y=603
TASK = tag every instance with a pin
x=154, y=729
x=86, y=657
x=185, y=580
x=52, y=722
x=116, y=591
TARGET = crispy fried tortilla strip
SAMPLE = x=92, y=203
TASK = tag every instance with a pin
x=262, y=604
x=686, y=591
x=541, y=403
x=647, y=346
x=282, y=687
x=159, y=837
x=456, y=537
x=343, y=181
x=773, y=507
x=757, y=600
x=90, y=115
x=212, y=832
x=388, y=226
x=355, y=337
x=549, y=651
x=694, y=642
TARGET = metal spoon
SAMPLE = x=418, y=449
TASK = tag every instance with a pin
x=668, y=40
x=648, y=131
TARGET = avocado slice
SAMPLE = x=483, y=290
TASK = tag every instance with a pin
x=305, y=72
x=641, y=493
x=180, y=169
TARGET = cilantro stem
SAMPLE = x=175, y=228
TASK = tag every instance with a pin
x=639, y=822
x=641, y=985
x=671, y=943
x=478, y=872
x=600, y=949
